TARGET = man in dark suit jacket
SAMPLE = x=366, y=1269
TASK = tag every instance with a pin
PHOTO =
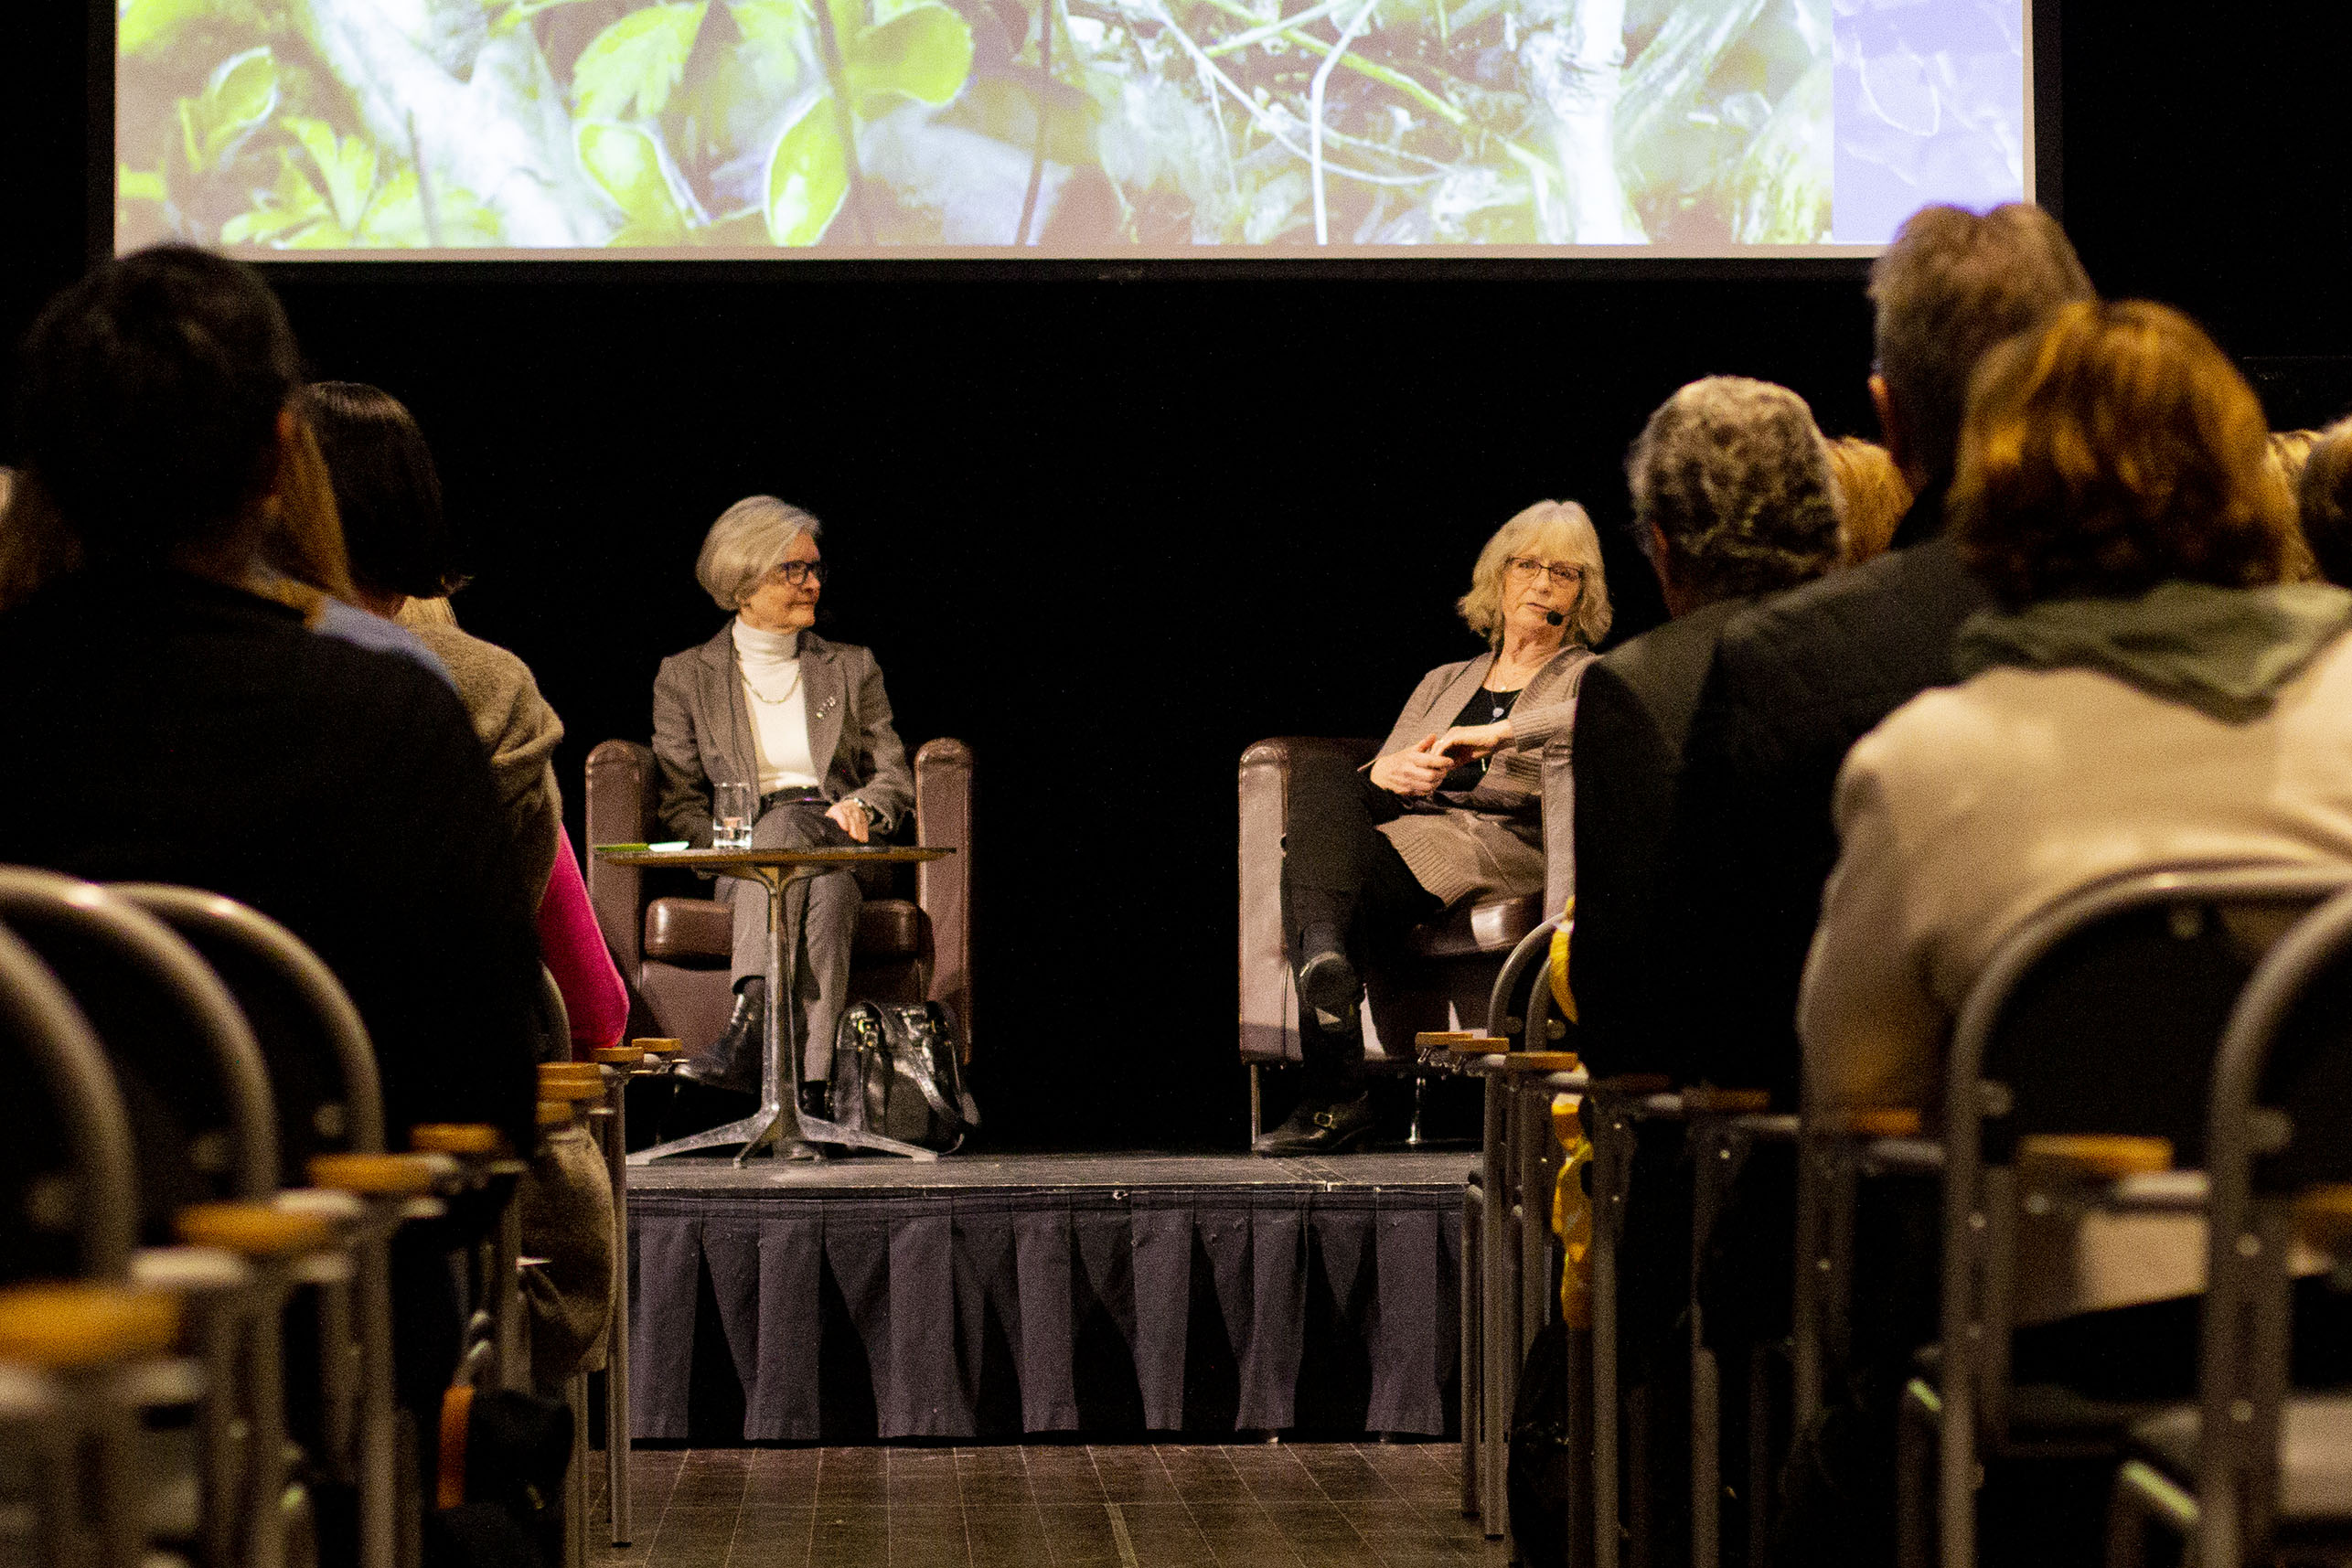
x=1799, y=678
x=1732, y=499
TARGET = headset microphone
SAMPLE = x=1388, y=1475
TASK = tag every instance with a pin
x=1556, y=618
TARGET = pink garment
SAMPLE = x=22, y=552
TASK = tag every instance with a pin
x=574, y=951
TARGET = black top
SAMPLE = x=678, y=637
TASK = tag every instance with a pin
x=1633, y=714
x=1797, y=680
x=1483, y=708
x=161, y=728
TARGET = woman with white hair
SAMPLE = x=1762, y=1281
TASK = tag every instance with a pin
x=1451, y=809
x=805, y=722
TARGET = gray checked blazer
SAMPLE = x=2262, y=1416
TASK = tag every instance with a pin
x=702, y=731
x=1491, y=842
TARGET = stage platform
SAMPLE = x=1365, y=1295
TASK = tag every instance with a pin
x=991, y=1296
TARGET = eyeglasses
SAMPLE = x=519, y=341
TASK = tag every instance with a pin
x=1562, y=576
x=800, y=573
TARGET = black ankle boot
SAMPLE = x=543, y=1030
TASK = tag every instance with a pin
x=1328, y=989
x=734, y=1059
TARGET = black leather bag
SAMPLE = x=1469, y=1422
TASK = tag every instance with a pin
x=898, y=1072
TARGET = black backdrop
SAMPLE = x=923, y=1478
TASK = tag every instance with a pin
x=1110, y=528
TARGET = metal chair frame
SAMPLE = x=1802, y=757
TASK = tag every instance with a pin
x=1505, y=1239
x=357, y=1397
x=2230, y=1510
x=1968, y=1407
x=74, y=1433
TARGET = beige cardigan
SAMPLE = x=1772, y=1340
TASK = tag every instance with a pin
x=1490, y=844
x=1974, y=806
x=519, y=733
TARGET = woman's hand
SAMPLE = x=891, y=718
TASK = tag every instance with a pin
x=851, y=817
x=1468, y=742
x=1414, y=773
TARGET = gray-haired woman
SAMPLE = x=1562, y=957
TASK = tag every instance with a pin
x=804, y=721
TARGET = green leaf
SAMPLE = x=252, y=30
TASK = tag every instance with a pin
x=627, y=162
x=773, y=25
x=290, y=204
x=144, y=26
x=637, y=60
x=239, y=96
x=924, y=53
x=347, y=163
x=808, y=175
x=139, y=185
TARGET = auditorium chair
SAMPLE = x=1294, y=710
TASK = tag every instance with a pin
x=1443, y=985
x=2255, y=1470
x=673, y=940
x=2077, y=1078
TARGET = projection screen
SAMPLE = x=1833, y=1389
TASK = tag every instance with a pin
x=1113, y=129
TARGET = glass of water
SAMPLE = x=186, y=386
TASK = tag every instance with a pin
x=732, y=808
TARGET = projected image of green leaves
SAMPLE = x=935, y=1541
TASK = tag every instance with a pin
x=1078, y=126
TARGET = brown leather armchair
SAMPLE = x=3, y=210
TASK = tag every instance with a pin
x=672, y=940
x=1446, y=981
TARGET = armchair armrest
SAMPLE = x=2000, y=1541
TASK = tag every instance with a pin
x=619, y=806
x=943, y=817
x=1266, y=1026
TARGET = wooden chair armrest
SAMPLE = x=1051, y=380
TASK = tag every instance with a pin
x=253, y=1230
x=69, y=1327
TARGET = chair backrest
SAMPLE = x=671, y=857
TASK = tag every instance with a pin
x=68, y=1186
x=193, y=1080
x=2100, y=1014
x=2281, y=1107
x=322, y=1064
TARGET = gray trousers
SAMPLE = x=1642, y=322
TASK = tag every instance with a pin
x=820, y=917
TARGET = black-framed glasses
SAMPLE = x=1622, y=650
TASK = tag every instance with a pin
x=1562, y=574
x=800, y=573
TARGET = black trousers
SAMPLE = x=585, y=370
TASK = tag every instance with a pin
x=1343, y=881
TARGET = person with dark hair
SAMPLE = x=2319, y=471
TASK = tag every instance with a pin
x=171, y=722
x=388, y=494
x=2324, y=503
x=1798, y=678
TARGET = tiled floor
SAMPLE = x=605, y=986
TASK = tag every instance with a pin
x=1260, y=1506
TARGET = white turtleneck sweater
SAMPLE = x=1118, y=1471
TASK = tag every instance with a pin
x=778, y=698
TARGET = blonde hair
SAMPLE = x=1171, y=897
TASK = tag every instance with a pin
x=745, y=544
x=1872, y=495
x=305, y=536
x=35, y=547
x=1551, y=530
